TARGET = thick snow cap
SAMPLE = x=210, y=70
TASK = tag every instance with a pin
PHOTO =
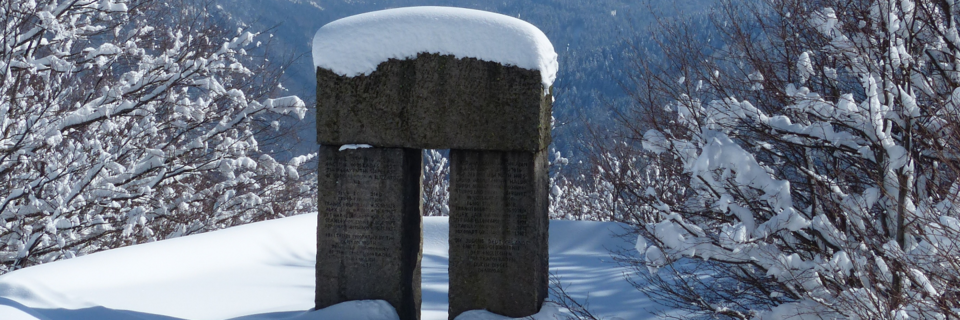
x=355, y=45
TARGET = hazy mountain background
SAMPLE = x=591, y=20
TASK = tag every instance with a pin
x=588, y=35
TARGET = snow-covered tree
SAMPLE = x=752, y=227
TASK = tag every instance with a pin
x=127, y=121
x=436, y=183
x=808, y=155
x=606, y=190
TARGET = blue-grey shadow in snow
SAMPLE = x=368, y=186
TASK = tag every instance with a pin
x=92, y=313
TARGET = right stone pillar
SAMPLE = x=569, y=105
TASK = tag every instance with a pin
x=498, y=231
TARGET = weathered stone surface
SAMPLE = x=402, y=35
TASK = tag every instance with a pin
x=498, y=231
x=369, y=231
x=435, y=102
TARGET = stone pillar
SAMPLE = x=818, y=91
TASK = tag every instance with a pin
x=369, y=227
x=498, y=231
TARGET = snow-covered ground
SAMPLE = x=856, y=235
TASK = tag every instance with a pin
x=265, y=270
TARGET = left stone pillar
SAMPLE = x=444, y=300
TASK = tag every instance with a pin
x=370, y=227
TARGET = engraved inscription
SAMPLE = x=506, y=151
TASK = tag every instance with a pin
x=359, y=217
x=492, y=204
x=479, y=201
x=492, y=255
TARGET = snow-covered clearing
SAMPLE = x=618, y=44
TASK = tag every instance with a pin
x=355, y=45
x=265, y=270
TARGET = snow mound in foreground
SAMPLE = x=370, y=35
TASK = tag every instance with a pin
x=265, y=270
x=356, y=45
x=549, y=311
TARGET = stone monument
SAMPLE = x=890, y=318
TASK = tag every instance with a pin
x=494, y=117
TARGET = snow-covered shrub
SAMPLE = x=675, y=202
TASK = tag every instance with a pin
x=436, y=184
x=127, y=121
x=611, y=188
x=810, y=154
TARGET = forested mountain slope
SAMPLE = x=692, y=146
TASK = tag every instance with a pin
x=588, y=36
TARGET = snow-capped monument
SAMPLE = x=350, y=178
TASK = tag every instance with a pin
x=392, y=82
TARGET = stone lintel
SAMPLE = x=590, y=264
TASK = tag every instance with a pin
x=369, y=227
x=435, y=102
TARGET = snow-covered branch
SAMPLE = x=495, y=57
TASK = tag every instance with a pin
x=819, y=145
x=126, y=121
